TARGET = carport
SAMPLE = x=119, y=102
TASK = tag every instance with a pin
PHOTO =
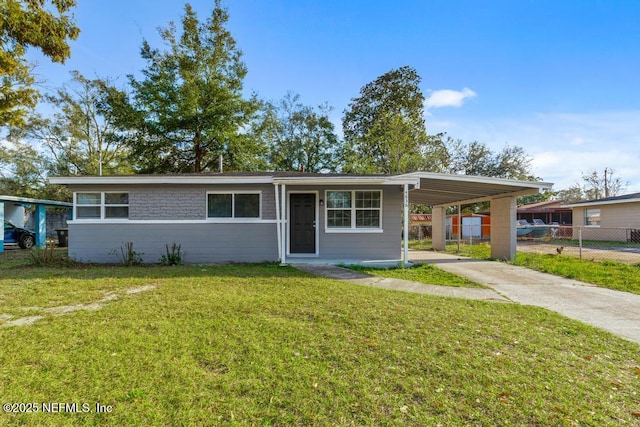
x=443, y=190
x=12, y=209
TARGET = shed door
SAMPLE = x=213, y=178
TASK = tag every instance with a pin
x=471, y=227
x=303, y=223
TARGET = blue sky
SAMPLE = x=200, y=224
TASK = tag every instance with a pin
x=558, y=78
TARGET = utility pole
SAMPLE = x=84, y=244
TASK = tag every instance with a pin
x=606, y=183
x=99, y=162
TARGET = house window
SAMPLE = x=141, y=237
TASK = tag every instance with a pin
x=592, y=217
x=354, y=209
x=233, y=205
x=102, y=205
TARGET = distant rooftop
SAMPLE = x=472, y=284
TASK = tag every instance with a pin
x=626, y=198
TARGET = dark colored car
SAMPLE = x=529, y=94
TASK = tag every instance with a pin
x=23, y=237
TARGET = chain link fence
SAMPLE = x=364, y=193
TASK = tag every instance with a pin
x=589, y=243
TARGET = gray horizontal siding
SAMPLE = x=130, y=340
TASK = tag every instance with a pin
x=216, y=242
x=367, y=246
x=357, y=245
x=168, y=203
x=179, y=202
x=201, y=243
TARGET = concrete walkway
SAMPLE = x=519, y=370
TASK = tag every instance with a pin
x=333, y=272
x=615, y=311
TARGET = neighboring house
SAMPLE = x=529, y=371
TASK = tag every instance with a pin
x=549, y=211
x=613, y=218
x=279, y=216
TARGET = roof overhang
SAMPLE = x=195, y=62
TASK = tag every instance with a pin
x=160, y=179
x=347, y=180
x=427, y=188
x=235, y=179
x=435, y=189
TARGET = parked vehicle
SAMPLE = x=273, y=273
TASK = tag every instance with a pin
x=536, y=230
x=523, y=227
x=17, y=235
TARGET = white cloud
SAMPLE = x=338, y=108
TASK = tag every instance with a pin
x=565, y=167
x=563, y=146
x=448, y=98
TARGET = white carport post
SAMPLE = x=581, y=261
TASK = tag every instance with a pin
x=278, y=220
x=405, y=238
x=503, y=228
x=283, y=224
x=439, y=228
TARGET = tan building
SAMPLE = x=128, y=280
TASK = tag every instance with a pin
x=613, y=218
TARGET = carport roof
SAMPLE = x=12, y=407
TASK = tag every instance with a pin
x=436, y=189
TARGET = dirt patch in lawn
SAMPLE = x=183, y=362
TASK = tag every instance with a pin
x=7, y=320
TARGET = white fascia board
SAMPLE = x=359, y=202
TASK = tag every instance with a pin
x=488, y=198
x=599, y=203
x=329, y=180
x=402, y=180
x=133, y=179
x=478, y=179
x=346, y=180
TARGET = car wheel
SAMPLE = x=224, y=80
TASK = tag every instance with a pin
x=26, y=241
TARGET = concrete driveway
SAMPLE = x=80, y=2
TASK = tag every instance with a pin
x=614, y=311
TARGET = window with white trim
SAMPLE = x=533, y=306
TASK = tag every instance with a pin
x=592, y=216
x=233, y=205
x=354, y=209
x=102, y=205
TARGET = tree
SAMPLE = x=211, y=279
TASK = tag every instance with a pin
x=303, y=137
x=189, y=108
x=535, y=198
x=600, y=186
x=477, y=158
x=81, y=136
x=42, y=24
x=384, y=127
x=23, y=173
x=571, y=195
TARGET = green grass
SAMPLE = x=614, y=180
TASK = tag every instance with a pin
x=268, y=345
x=423, y=273
x=607, y=274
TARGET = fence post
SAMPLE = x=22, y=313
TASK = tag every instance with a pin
x=580, y=240
x=459, y=228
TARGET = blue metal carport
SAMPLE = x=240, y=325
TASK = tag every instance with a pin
x=39, y=217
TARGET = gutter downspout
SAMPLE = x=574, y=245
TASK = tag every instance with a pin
x=278, y=221
x=283, y=228
x=405, y=256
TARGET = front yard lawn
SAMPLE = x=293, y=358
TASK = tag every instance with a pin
x=269, y=345
x=423, y=273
